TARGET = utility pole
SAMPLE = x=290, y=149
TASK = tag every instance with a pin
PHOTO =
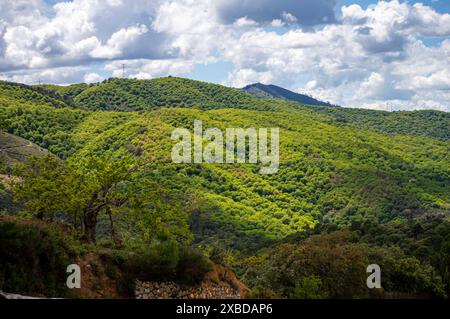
x=123, y=70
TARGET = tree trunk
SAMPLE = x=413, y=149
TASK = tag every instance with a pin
x=40, y=214
x=111, y=222
x=90, y=223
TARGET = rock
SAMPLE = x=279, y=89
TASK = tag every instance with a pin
x=168, y=290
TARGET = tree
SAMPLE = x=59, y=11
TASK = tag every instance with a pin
x=80, y=188
x=102, y=186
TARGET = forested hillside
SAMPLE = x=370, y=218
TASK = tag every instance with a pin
x=427, y=122
x=354, y=186
x=137, y=95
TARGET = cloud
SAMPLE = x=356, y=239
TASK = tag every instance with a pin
x=193, y=29
x=436, y=81
x=377, y=87
x=242, y=77
x=304, y=13
x=93, y=78
x=61, y=75
x=148, y=69
x=119, y=42
x=77, y=33
x=425, y=21
x=387, y=17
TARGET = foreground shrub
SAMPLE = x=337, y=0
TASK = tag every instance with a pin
x=33, y=258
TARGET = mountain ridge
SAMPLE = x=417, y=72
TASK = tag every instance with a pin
x=273, y=91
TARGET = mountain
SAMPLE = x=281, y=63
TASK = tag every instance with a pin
x=272, y=91
x=354, y=187
x=137, y=95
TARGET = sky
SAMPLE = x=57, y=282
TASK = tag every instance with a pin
x=356, y=53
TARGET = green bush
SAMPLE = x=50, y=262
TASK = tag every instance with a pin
x=154, y=262
x=309, y=287
x=192, y=266
x=33, y=259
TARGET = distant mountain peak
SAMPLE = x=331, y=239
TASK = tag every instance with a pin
x=272, y=91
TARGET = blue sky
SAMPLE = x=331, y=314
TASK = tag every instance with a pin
x=356, y=53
